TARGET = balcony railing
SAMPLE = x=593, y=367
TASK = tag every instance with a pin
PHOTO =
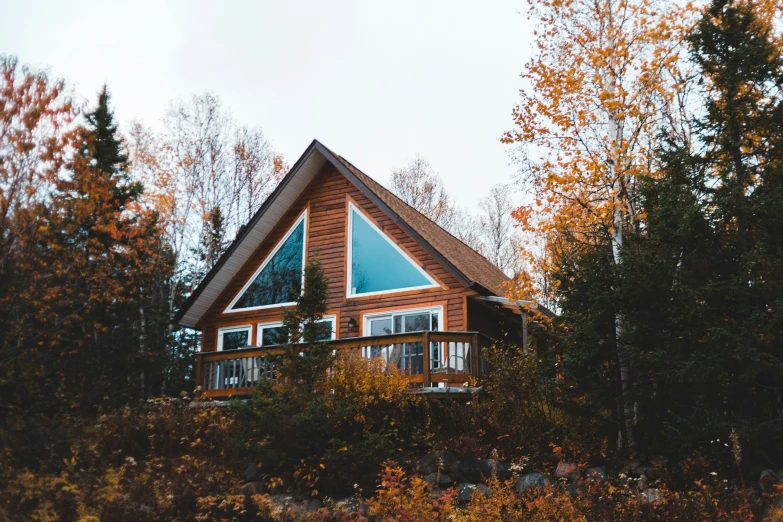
x=452, y=358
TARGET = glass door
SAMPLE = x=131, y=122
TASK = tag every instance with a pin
x=407, y=356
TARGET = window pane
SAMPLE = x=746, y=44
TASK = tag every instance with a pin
x=381, y=326
x=281, y=279
x=272, y=335
x=375, y=264
x=435, y=327
x=322, y=329
x=234, y=340
x=417, y=322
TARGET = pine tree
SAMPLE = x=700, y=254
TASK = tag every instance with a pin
x=103, y=258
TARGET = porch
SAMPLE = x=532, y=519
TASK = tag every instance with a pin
x=451, y=360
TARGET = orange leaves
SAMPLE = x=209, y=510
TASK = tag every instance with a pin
x=603, y=84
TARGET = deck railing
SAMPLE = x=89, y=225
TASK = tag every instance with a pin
x=453, y=358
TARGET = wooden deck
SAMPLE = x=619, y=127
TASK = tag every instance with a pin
x=453, y=359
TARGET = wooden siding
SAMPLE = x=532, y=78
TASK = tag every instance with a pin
x=326, y=199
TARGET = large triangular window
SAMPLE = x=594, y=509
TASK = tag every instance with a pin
x=376, y=265
x=278, y=281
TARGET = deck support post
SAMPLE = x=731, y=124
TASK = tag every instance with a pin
x=475, y=364
x=426, y=353
x=199, y=374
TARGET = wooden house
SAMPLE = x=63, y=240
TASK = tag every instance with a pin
x=398, y=283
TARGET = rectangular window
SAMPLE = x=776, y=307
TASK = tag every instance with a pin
x=234, y=337
x=272, y=334
x=408, y=356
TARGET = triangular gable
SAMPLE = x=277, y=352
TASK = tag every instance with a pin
x=484, y=277
x=376, y=264
x=278, y=280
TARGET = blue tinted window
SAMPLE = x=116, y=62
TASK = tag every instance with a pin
x=281, y=279
x=377, y=266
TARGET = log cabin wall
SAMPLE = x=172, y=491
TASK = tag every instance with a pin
x=326, y=200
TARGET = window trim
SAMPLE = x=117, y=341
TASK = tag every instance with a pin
x=229, y=309
x=229, y=329
x=402, y=311
x=353, y=209
x=367, y=317
x=274, y=324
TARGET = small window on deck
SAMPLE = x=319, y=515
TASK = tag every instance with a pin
x=234, y=337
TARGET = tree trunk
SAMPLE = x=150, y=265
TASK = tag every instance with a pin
x=625, y=421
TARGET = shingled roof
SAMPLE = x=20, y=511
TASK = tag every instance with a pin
x=467, y=265
x=475, y=267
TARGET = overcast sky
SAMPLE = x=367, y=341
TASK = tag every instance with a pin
x=377, y=82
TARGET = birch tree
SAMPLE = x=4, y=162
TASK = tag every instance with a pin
x=601, y=88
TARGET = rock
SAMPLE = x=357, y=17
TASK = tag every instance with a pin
x=434, y=462
x=299, y=506
x=651, y=495
x=597, y=474
x=767, y=481
x=568, y=470
x=253, y=488
x=466, y=469
x=466, y=491
x=473, y=470
x=533, y=481
x=351, y=505
x=438, y=480
x=576, y=490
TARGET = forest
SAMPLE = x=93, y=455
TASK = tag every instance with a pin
x=643, y=221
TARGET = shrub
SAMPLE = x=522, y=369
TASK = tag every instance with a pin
x=336, y=435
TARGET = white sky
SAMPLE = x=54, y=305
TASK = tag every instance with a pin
x=376, y=82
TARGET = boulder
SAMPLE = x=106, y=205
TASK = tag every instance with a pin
x=298, y=505
x=351, y=505
x=253, y=488
x=438, y=480
x=473, y=470
x=533, y=481
x=568, y=470
x=434, y=462
x=466, y=491
x=651, y=495
x=597, y=474
x=767, y=481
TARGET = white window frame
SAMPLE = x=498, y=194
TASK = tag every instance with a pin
x=403, y=311
x=260, y=330
x=354, y=210
x=275, y=324
x=230, y=329
x=269, y=257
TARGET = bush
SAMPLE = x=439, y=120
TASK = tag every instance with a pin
x=333, y=437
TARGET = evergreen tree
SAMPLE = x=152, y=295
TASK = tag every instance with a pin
x=103, y=259
x=701, y=283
